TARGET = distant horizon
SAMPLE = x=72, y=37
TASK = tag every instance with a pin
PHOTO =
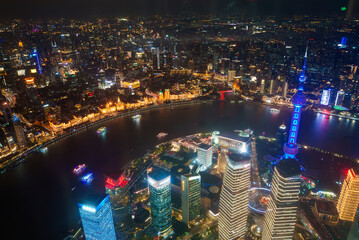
x=37, y=9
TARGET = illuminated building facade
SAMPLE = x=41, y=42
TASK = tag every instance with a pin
x=191, y=197
x=271, y=87
x=263, y=83
x=215, y=139
x=116, y=188
x=204, y=156
x=222, y=160
x=241, y=144
x=96, y=217
x=233, y=203
x=285, y=89
x=349, y=197
x=19, y=132
x=340, y=98
x=291, y=148
x=281, y=213
x=159, y=183
x=282, y=137
x=325, y=97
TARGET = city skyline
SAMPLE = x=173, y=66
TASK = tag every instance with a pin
x=221, y=122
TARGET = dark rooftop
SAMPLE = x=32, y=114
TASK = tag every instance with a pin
x=288, y=167
x=158, y=173
x=238, y=157
x=326, y=207
x=204, y=146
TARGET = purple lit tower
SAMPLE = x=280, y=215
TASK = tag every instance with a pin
x=291, y=148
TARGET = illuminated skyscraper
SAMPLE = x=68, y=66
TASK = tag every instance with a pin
x=325, y=99
x=281, y=214
x=222, y=160
x=204, y=156
x=116, y=188
x=215, y=139
x=96, y=217
x=271, y=87
x=349, y=197
x=340, y=98
x=282, y=137
x=19, y=132
x=285, y=89
x=233, y=203
x=291, y=148
x=191, y=197
x=159, y=183
x=263, y=83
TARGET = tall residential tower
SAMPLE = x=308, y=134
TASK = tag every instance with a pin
x=349, y=197
x=233, y=203
x=281, y=214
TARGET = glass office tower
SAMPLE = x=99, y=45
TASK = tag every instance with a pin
x=96, y=217
x=159, y=183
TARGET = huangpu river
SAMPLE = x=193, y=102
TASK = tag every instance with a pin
x=39, y=197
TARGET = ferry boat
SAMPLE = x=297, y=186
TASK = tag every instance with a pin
x=43, y=149
x=162, y=135
x=101, y=130
x=79, y=169
x=274, y=110
x=138, y=116
x=87, y=178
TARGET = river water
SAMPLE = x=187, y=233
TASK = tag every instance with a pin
x=37, y=197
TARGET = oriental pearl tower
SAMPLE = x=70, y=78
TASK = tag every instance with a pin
x=291, y=148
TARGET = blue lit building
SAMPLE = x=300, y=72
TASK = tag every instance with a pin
x=96, y=217
x=291, y=148
x=159, y=183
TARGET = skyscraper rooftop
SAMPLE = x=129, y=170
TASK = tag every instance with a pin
x=288, y=167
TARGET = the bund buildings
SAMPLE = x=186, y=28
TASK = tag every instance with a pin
x=233, y=203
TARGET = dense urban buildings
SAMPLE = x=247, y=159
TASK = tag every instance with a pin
x=102, y=103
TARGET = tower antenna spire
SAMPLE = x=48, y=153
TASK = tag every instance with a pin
x=291, y=147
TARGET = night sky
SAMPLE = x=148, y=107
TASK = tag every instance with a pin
x=109, y=8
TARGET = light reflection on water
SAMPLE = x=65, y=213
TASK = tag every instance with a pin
x=43, y=184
